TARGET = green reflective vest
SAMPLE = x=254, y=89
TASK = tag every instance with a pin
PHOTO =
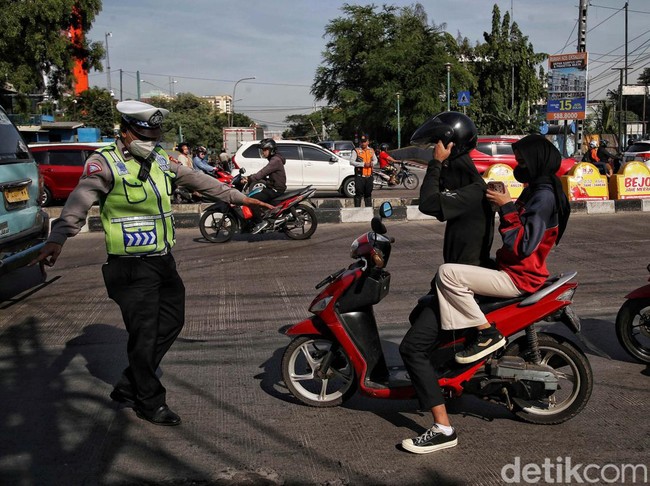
x=136, y=215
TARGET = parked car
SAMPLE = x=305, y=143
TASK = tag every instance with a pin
x=342, y=148
x=639, y=150
x=307, y=164
x=23, y=223
x=497, y=149
x=61, y=166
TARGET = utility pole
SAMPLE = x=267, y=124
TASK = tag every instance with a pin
x=582, y=47
x=448, y=67
x=399, y=128
x=137, y=80
x=121, y=85
x=108, y=63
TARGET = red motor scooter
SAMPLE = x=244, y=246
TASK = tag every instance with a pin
x=633, y=323
x=542, y=378
x=292, y=215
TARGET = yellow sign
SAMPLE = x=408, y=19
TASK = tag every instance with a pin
x=503, y=173
x=631, y=182
x=584, y=183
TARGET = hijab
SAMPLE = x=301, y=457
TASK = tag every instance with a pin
x=543, y=160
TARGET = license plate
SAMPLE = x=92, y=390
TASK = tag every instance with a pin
x=17, y=195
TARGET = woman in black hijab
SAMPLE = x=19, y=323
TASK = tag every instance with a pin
x=529, y=229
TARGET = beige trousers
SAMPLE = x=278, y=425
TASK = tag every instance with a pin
x=456, y=285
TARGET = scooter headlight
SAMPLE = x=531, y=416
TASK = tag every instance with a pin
x=320, y=305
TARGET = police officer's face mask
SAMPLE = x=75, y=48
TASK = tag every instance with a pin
x=141, y=148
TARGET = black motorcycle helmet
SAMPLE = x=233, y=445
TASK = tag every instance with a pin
x=384, y=147
x=268, y=143
x=449, y=126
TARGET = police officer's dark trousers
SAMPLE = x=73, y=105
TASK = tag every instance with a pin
x=151, y=296
x=362, y=190
x=417, y=350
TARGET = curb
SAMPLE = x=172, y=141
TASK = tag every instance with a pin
x=343, y=211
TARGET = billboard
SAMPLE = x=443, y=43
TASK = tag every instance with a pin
x=567, y=87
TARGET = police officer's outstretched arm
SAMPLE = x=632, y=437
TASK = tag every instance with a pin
x=95, y=183
x=211, y=187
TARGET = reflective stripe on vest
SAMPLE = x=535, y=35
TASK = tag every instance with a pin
x=136, y=215
x=366, y=156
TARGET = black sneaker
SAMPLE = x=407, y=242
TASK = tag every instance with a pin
x=487, y=341
x=432, y=440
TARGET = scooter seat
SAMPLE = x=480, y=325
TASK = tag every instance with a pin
x=287, y=195
x=489, y=304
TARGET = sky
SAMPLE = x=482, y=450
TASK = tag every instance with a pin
x=205, y=46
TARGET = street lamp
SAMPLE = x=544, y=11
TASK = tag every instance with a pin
x=172, y=82
x=448, y=66
x=399, y=133
x=108, y=62
x=232, y=104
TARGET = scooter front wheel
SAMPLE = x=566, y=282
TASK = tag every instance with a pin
x=217, y=227
x=633, y=328
x=303, y=373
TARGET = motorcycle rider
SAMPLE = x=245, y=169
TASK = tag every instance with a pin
x=274, y=178
x=529, y=229
x=200, y=162
x=454, y=192
x=386, y=164
x=593, y=156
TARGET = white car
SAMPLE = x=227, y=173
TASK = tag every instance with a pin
x=307, y=164
x=640, y=151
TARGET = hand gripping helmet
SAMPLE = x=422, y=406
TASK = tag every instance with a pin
x=593, y=144
x=449, y=126
x=268, y=143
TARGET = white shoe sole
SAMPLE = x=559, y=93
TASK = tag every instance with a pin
x=489, y=350
x=408, y=445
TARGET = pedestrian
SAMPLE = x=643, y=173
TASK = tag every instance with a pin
x=453, y=192
x=363, y=159
x=131, y=179
x=184, y=157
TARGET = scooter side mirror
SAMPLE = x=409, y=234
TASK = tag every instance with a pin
x=386, y=209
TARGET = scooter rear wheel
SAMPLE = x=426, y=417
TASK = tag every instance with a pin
x=301, y=222
x=633, y=328
x=217, y=227
x=302, y=373
x=575, y=381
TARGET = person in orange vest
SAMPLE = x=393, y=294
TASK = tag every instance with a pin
x=593, y=156
x=363, y=158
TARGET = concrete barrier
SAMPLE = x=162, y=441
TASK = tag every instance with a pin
x=342, y=210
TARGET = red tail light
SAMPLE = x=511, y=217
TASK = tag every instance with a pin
x=644, y=156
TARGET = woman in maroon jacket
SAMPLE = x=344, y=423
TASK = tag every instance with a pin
x=529, y=229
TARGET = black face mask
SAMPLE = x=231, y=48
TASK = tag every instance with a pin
x=522, y=174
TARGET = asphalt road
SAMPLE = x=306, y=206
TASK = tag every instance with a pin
x=63, y=346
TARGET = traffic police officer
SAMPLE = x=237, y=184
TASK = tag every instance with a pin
x=132, y=180
x=363, y=159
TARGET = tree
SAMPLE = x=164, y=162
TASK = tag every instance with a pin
x=195, y=118
x=36, y=54
x=644, y=77
x=95, y=108
x=371, y=55
x=504, y=103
